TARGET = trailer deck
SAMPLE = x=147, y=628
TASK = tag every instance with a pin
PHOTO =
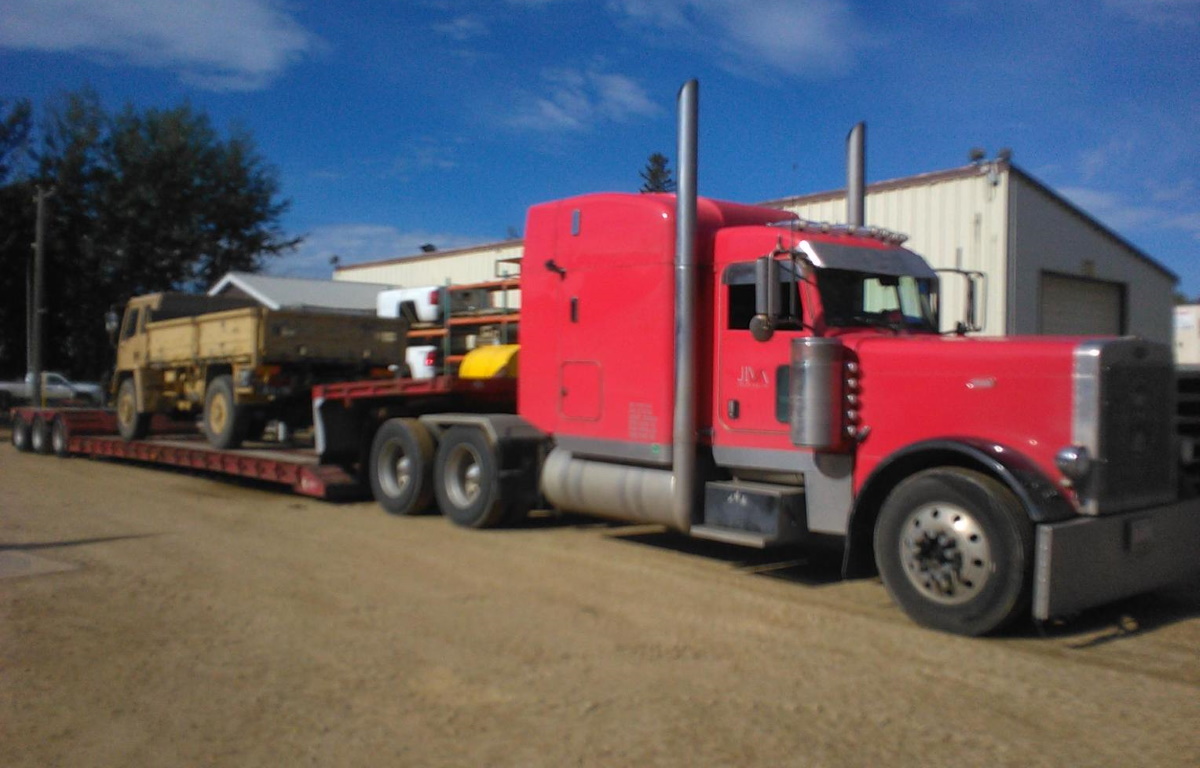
x=91, y=433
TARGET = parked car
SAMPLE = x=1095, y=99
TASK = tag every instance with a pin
x=56, y=388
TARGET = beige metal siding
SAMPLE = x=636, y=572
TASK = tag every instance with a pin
x=1051, y=237
x=957, y=222
x=1187, y=334
x=473, y=265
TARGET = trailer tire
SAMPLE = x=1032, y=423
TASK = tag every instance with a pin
x=39, y=435
x=400, y=468
x=131, y=424
x=467, y=479
x=60, y=439
x=225, y=422
x=20, y=434
x=955, y=551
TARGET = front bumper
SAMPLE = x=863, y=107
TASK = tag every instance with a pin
x=1088, y=561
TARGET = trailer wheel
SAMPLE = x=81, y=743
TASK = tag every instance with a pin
x=60, y=441
x=466, y=479
x=20, y=434
x=131, y=424
x=39, y=435
x=955, y=550
x=401, y=467
x=225, y=422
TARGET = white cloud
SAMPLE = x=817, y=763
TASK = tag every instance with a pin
x=357, y=243
x=1117, y=211
x=1158, y=11
x=578, y=101
x=233, y=45
x=463, y=28
x=796, y=37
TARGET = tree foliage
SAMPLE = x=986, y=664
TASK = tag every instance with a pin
x=143, y=201
x=656, y=176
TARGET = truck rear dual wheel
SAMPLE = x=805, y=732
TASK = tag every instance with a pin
x=225, y=423
x=955, y=550
x=131, y=424
x=401, y=467
x=467, y=479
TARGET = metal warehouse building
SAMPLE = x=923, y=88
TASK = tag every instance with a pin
x=1050, y=268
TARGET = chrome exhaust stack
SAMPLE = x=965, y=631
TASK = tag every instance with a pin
x=683, y=453
x=856, y=175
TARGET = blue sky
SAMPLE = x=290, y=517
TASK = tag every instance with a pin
x=394, y=123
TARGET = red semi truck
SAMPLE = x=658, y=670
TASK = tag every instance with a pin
x=735, y=374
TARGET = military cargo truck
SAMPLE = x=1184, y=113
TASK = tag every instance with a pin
x=237, y=364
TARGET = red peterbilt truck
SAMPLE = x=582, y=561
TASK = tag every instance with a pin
x=736, y=374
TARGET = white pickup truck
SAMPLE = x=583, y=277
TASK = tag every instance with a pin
x=426, y=305
x=56, y=388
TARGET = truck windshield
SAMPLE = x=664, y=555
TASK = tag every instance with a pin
x=864, y=300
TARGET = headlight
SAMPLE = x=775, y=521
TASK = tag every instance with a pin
x=1073, y=461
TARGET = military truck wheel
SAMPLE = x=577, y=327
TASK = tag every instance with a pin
x=467, y=480
x=60, y=441
x=20, y=434
x=39, y=435
x=225, y=422
x=955, y=550
x=130, y=424
x=401, y=467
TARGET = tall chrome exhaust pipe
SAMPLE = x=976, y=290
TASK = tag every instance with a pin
x=856, y=174
x=683, y=453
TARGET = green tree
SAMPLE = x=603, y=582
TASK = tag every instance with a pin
x=656, y=176
x=144, y=200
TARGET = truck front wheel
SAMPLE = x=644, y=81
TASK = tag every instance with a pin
x=955, y=550
x=225, y=422
x=130, y=424
x=401, y=467
x=467, y=479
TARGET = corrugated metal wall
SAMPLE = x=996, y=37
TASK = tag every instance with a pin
x=953, y=220
x=471, y=265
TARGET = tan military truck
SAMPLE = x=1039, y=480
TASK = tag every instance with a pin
x=238, y=364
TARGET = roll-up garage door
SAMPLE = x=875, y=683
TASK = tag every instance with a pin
x=1071, y=305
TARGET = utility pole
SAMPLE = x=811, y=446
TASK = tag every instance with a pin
x=38, y=312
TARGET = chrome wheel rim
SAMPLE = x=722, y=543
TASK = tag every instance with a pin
x=945, y=554
x=395, y=470
x=463, y=476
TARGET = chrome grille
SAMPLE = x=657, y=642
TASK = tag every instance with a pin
x=1125, y=417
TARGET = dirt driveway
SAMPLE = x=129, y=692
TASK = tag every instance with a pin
x=151, y=618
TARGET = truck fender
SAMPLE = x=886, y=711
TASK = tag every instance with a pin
x=1040, y=497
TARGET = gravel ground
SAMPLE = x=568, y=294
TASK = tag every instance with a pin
x=150, y=617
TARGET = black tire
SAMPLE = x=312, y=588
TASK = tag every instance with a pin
x=60, y=440
x=955, y=550
x=400, y=468
x=131, y=424
x=39, y=435
x=20, y=434
x=224, y=422
x=466, y=479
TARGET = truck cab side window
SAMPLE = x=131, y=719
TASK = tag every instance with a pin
x=739, y=283
x=129, y=327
